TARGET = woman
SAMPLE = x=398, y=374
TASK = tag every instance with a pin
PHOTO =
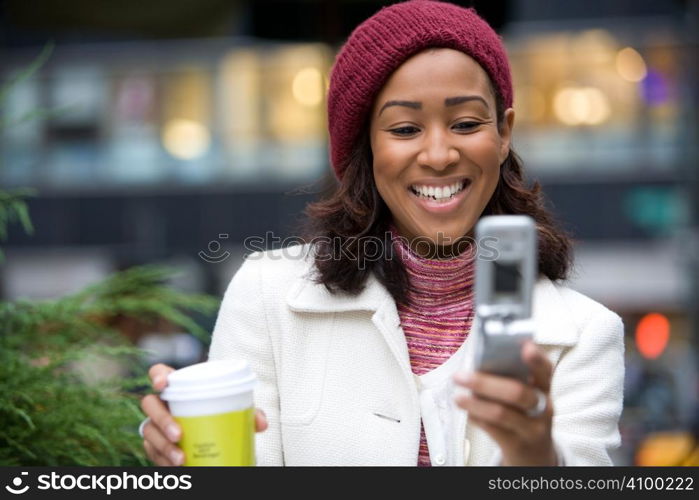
x=360, y=337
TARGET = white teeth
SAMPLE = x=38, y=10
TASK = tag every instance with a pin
x=439, y=193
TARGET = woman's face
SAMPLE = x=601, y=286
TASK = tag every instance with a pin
x=436, y=145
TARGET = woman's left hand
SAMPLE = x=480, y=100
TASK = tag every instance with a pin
x=499, y=405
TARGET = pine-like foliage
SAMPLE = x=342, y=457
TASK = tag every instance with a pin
x=50, y=414
x=13, y=208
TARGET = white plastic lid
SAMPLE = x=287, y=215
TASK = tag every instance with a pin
x=207, y=380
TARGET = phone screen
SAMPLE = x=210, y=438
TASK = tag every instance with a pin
x=507, y=281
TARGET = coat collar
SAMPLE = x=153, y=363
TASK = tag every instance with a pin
x=552, y=315
x=307, y=296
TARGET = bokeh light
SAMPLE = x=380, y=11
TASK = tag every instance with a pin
x=581, y=106
x=652, y=335
x=307, y=87
x=630, y=65
x=186, y=139
x=667, y=449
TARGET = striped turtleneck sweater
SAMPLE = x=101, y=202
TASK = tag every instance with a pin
x=437, y=316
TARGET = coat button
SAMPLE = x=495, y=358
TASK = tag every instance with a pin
x=439, y=459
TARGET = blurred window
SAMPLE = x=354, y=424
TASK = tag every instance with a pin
x=597, y=101
x=168, y=113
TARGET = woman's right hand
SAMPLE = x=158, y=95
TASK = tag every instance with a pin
x=162, y=432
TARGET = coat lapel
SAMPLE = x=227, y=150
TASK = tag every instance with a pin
x=553, y=319
x=308, y=296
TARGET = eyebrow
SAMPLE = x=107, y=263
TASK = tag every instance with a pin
x=449, y=101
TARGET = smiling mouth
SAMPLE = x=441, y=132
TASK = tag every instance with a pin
x=441, y=193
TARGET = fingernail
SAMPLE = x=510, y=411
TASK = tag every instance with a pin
x=176, y=457
x=157, y=381
x=173, y=432
x=461, y=377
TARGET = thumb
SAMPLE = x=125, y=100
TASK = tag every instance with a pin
x=539, y=366
x=158, y=375
x=260, y=421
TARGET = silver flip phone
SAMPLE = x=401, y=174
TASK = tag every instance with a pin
x=506, y=270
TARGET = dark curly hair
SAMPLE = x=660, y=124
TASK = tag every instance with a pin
x=354, y=211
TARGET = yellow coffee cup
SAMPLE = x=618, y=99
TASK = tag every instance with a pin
x=213, y=403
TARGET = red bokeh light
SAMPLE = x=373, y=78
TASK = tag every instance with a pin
x=652, y=335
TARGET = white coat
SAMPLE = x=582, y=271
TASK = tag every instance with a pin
x=331, y=368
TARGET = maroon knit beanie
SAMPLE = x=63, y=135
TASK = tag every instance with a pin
x=383, y=42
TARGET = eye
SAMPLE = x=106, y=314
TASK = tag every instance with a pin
x=466, y=125
x=404, y=131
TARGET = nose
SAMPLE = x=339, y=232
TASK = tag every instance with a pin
x=437, y=151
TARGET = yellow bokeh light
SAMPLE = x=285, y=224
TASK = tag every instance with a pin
x=581, y=105
x=186, y=139
x=567, y=106
x=630, y=65
x=667, y=449
x=598, y=106
x=307, y=87
x=293, y=87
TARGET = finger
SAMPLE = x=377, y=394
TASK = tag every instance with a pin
x=158, y=375
x=505, y=390
x=499, y=434
x=260, y=421
x=160, y=416
x=162, y=445
x=154, y=456
x=539, y=366
x=496, y=414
